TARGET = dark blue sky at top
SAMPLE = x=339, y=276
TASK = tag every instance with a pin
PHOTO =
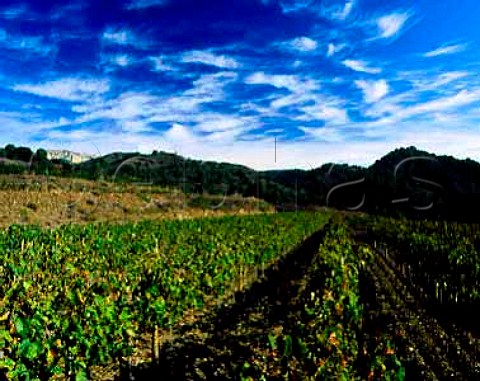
x=331, y=80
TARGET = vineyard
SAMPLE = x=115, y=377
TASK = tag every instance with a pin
x=74, y=297
x=288, y=296
x=424, y=281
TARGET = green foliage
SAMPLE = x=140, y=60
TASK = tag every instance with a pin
x=76, y=296
x=18, y=153
x=41, y=155
x=323, y=343
x=440, y=257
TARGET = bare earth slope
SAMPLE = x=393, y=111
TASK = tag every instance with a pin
x=51, y=201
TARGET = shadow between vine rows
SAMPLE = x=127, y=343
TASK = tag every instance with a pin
x=435, y=346
x=379, y=322
x=465, y=315
x=215, y=348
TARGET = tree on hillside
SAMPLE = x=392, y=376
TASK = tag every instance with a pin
x=41, y=155
x=9, y=150
x=23, y=154
x=18, y=153
x=40, y=163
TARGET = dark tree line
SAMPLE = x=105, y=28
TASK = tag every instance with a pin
x=18, y=160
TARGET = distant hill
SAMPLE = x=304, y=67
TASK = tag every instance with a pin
x=406, y=181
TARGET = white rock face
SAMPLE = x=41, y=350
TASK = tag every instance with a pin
x=73, y=157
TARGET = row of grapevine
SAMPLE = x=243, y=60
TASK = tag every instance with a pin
x=76, y=296
x=441, y=258
x=322, y=339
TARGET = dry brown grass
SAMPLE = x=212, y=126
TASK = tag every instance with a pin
x=49, y=201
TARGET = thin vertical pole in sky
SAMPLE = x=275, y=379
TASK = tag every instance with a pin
x=275, y=149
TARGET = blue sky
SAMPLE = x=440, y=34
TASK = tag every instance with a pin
x=331, y=81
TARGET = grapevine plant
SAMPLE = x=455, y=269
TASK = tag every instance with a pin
x=76, y=296
x=439, y=257
x=321, y=339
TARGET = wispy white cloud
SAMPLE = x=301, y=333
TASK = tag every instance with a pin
x=28, y=44
x=69, y=89
x=220, y=129
x=297, y=63
x=391, y=25
x=274, y=131
x=302, y=44
x=347, y=9
x=224, y=128
x=122, y=60
x=211, y=136
x=295, y=5
x=35, y=45
x=290, y=82
x=326, y=134
x=225, y=137
x=444, y=117
x=331, y=114
x=139, y=110
x=444, y=50
x=462, y=98
x=289, y=100
x=127, y=106
x=112, y=62
x=136, y=126
x=70, y=10
x=144, y=4
x=219, y=122
x=159, y=64
x=23, y=124
x=393, y=112
x=15, y=12
x=361, y=66
x=449, y=77
x=382, y=109
x=429, y=83
x=333, y=49
x=305, y=100
x=119, y=36
x=337, y=9
x=180, y=134
x=210, y=87
x=372, y=90
x=208, y=58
